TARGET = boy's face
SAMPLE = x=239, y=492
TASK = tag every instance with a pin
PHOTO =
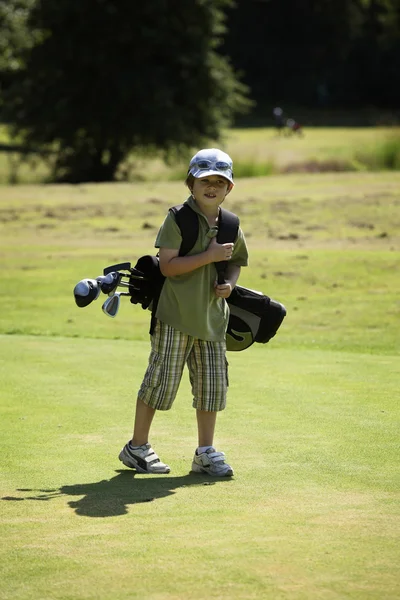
x=210, y=190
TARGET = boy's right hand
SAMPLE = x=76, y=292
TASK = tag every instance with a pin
x=219, y=252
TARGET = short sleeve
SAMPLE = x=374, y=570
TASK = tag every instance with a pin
x=169, y=235
x=240, y=255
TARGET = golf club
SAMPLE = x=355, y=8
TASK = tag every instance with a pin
x=111, y=305
x=108, y=283
x=86, y=291
x=119, y=267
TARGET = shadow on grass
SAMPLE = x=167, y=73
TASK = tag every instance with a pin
x=111, y=497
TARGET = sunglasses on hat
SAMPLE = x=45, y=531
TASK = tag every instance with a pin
x=208, y=165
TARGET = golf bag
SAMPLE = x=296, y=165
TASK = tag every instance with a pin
x=147, y=290
x=254, y=317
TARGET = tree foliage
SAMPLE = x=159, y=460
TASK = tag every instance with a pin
x=104, y=77
x=15, y=34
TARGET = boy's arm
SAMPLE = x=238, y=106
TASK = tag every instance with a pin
x=171, y=264
x=232, y=273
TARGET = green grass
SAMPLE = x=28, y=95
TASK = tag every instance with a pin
x=325, y=245
x=386, y=155
x=257, y=152
x=314, y=514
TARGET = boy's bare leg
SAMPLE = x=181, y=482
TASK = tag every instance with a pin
x=211, y=461
x=206, y=426
x=143, y=458
x=143, y=419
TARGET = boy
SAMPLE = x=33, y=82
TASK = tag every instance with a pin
x=192, y=317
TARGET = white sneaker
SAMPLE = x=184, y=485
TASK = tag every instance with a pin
x=211, y=462
x=143, y=459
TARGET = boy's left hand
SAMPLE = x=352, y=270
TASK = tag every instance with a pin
x=223, y=290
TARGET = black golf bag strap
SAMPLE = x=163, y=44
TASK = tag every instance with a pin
x=188, y=222
x=228, y=227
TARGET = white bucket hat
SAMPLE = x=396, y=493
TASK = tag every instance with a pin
x=211, y=161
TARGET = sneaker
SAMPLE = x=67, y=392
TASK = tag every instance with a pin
x=211, y=462
x=143, y=459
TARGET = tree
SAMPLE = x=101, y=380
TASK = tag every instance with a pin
x=105, y=77
x=14, y=36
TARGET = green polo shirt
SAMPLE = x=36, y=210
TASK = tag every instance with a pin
x=188, y=302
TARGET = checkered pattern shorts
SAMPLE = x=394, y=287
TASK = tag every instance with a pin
x=207, y=365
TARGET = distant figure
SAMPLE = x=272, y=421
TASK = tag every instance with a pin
x=294, y=128
x=278, y=118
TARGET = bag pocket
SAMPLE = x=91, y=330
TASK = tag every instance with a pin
x=152, y=377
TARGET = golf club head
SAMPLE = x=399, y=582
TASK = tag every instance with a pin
x=86, y=291
x=111, y=305
x=108, y=283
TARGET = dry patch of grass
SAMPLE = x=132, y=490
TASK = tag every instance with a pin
x=282, y=211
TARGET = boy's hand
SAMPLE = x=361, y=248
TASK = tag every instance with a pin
x=219, y=252
x=223, y=290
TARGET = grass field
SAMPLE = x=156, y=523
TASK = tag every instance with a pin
x=311, y=426
x=257, y=151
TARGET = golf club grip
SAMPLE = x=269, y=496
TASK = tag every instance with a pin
x=119, y=267
x=221, y=278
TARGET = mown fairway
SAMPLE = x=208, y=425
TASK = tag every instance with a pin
x=311, y=426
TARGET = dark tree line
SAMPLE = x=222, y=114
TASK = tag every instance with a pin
x=336, y=53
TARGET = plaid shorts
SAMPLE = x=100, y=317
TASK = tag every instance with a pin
x=206, y=361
